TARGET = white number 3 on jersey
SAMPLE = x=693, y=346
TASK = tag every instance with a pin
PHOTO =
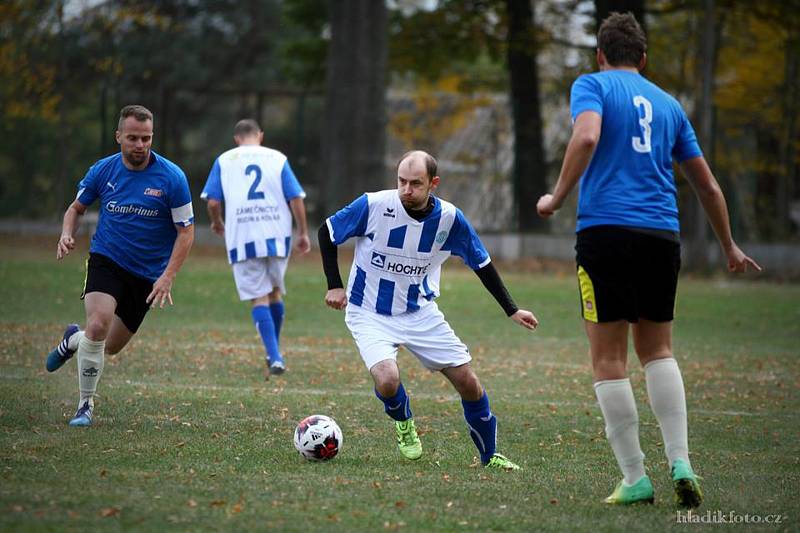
x=642, y=144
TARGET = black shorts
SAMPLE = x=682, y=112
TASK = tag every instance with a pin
x=130, y=291
x=626, y=275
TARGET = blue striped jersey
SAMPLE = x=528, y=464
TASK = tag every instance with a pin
x=397, y=260
x=255, y=183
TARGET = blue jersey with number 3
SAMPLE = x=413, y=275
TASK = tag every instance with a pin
x=629, y=181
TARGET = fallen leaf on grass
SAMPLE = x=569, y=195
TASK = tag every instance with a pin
x=110, y=511
x=217, y=503
x=191, y=503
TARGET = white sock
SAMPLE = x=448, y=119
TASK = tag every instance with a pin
x=90, y=367
x=668, y=402
x=72, y=344
x=616, y=401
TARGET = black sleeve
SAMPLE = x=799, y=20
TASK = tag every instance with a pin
x=330, y=258
x=491, y=280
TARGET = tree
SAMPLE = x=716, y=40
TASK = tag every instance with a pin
x=697, y=256
x=354, y=139
x=529, y=173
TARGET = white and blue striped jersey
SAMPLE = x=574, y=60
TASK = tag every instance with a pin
x=255, y=183
x=397, y=261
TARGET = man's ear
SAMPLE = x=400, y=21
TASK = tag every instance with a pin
x=434, y=182
x=642, y=62
x=118, y=136
x=601, y=58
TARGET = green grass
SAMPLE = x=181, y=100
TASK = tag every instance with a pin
x=189, y=436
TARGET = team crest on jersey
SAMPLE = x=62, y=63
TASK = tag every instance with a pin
x=153, y=192
x=441, y=237
x=378, y=260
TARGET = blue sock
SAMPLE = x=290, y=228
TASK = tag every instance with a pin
x=263, y=320
x=276, y=310
x=397, y=406
x=482, y=426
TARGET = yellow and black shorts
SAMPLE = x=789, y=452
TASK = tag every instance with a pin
x=626, y=274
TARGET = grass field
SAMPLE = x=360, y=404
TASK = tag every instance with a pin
x=188, y=435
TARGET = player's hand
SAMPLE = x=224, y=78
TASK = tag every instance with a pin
x=66, y=243
x=161, y=292
x=336, y=299
x=303, y=244
x=739, y=262
x=525, y=319
x=545, y=206
x=218, y=228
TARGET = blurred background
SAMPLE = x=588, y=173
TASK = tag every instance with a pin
x=343, y=88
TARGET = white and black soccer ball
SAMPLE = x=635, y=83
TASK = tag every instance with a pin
x=318, y=438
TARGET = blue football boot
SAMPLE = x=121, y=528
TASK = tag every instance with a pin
x=61, y=354
x=83, y=416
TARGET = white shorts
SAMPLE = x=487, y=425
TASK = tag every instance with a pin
x=424, y=333
x=259, y=276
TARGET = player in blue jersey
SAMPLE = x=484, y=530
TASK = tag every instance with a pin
x=402, y=237
x=261, y=194
x=144, y=233
x=626, y=134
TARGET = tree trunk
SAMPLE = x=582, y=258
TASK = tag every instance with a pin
x=354, y=138
x=788, y=162
x=530, y=167
x=697, y=253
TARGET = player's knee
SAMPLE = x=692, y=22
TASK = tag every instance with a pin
x=97, y=326
x=470, y=388
x=387, y=383
x=610, y=368
x=386, y=378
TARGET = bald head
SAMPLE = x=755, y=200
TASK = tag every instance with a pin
x=416, y=179
x=419, y=160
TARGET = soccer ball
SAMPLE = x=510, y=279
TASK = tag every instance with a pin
x=318, y=438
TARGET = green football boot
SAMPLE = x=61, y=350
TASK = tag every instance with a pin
x=408, y=440
x=501, y=462
x=687, y=490
x=639, y=492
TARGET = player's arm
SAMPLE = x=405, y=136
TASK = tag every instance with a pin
x=336, y=296
x=180, y=250
x=494, y=284
x=710, y=195
x=214, y=196
x=214, y=208
x=69, y=226
x=584, y=139
x=298, y=207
